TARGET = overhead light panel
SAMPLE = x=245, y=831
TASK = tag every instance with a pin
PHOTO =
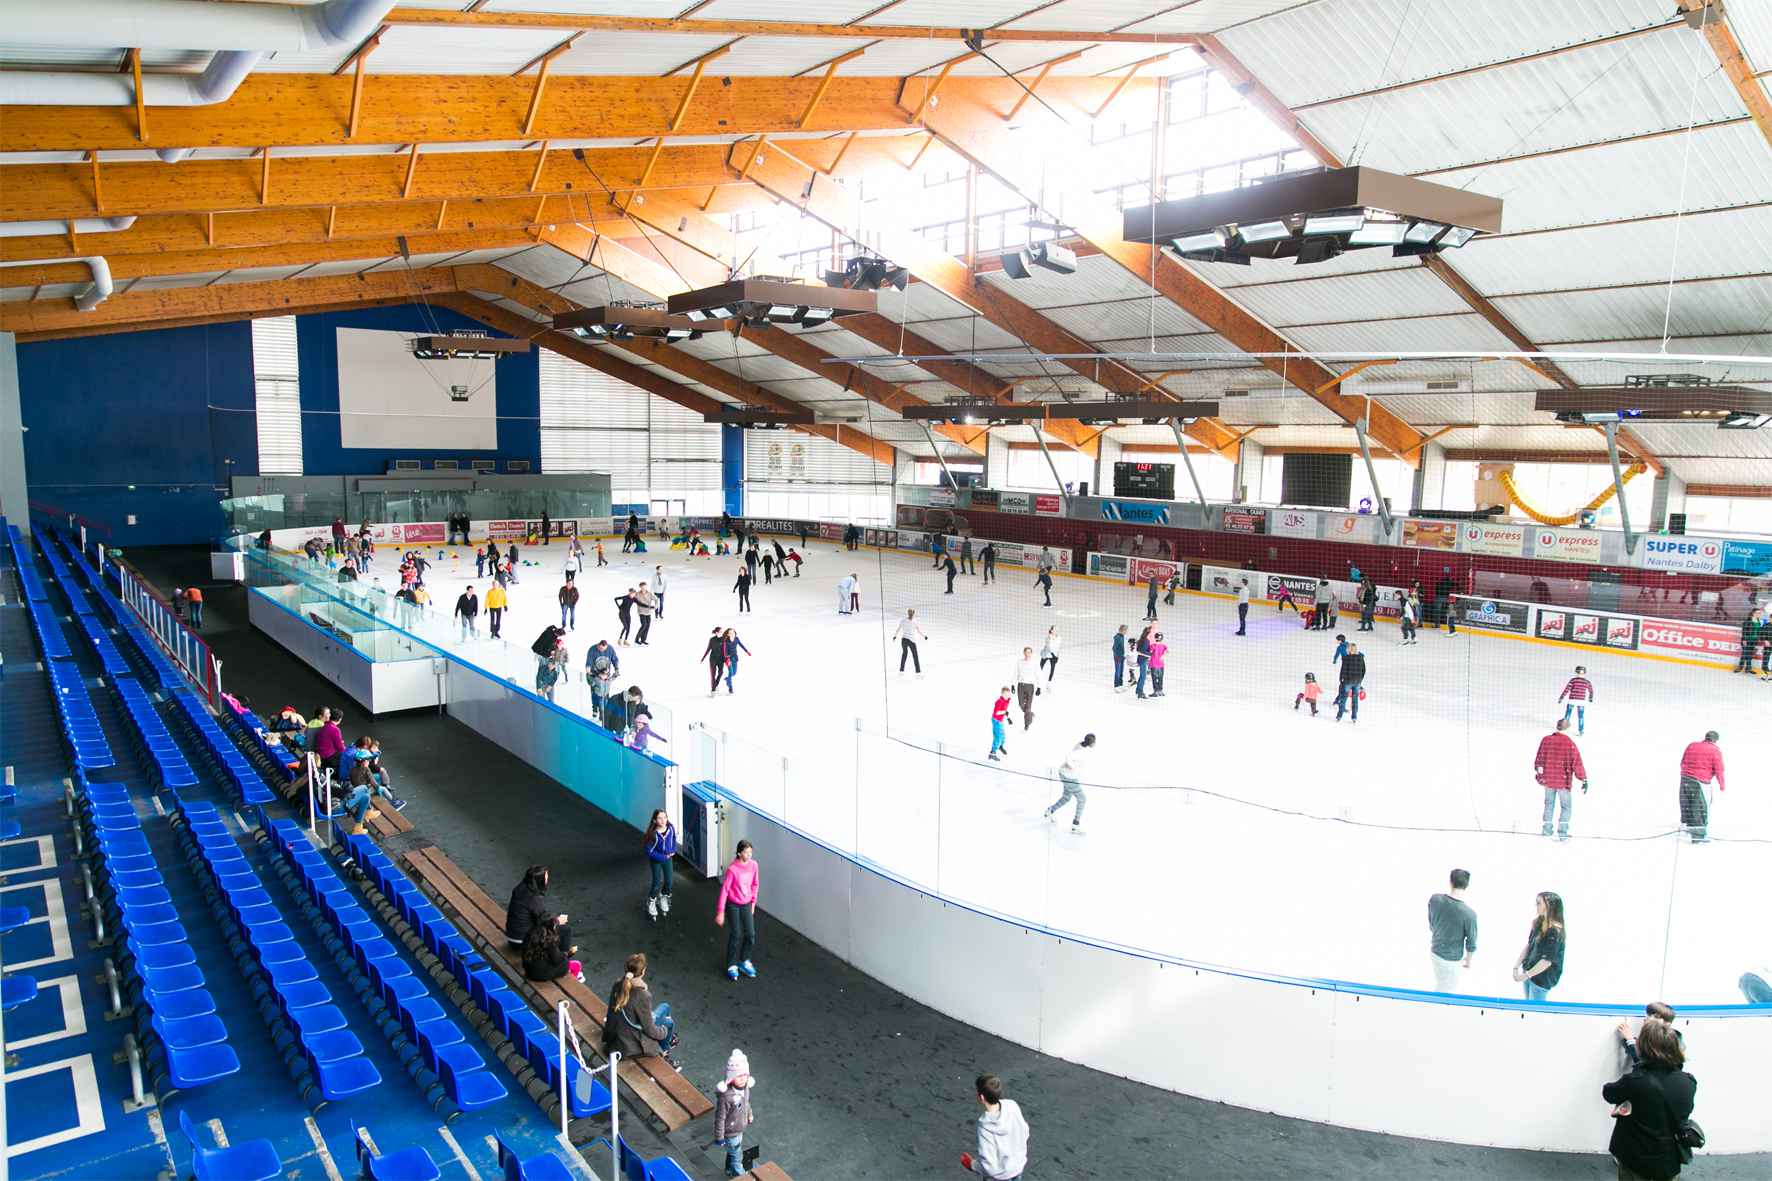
x=1740, y=420
x=1215, y=239
x=1663, y=398
x=466, y=346
x=811, y=316
x=1264, y=231
x=766, y=300
x=1457, y=236
x=1378, y=233
x=1334, y=223
x=625, y=321
x=1423, y=232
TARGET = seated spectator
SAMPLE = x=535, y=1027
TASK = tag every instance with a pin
x=634, y=1025
x=264, y=540
x=366, y=768
x=288, y=720
x=529, y=908
x=543, y=957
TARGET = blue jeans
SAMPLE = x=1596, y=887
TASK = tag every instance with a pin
x=1535, y=993
x=357, y=803
x=731, y=671
x=1144, y=670
x=661, y=1017
x=1119, y=671
x=999, y=736
x=734, y=1155
x=569, y=615
x=661, y=878
x=1580, y=712
x=1348, y=693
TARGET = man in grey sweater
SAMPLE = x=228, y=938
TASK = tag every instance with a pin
x=1453, y=928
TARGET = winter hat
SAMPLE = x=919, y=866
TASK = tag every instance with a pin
x=737, y=1065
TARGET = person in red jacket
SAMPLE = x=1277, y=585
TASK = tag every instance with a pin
x=1000, y=725
x=1558, y=765
x=1701, y=761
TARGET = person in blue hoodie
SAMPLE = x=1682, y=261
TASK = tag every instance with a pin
x=661, y=846
x=1340, y=648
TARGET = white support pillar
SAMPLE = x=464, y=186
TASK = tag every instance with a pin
x=14, y=504
x=1669, y=497
x=1246, y=483
x=996, y=461
x=1429, y=491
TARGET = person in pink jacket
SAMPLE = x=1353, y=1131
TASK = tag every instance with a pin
x=736, y=910
x=1158, y=651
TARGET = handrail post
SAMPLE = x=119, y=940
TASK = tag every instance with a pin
x=565, y=1096
x=614, y=1117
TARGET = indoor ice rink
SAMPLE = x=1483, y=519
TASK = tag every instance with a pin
x=1141, y=390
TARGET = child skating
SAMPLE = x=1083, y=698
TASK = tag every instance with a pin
x=1579, y=694
x=1070, y=777
x=1311, y=693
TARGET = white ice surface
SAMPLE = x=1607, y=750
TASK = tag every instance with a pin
x=1218, y=818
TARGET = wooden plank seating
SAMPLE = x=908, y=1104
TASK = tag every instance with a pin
x=388, y=824
x=769, y=1171
x=650, y=1081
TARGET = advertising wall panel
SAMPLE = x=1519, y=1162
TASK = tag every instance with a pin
x=1244, y=520
x=1292, y=522
x=1484, y=537
x=1686, y=555
x=1496, y=615
x=1015, y=502
x=1568, y=545
x=1431, y=534
x=1142, y=570
x=1049, y=504
x=1705, y=641
x=1747, y=557
x=1584, y=627
x=1223, y=580
x=1137, y=511
x=1109, y=565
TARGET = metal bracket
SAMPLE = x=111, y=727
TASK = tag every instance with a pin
x=1064, y=499
x=1384, y=510
x=1181, y=445
x=939, y=458
x=1630, y=539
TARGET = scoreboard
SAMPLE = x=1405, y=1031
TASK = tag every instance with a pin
x=1152, y=481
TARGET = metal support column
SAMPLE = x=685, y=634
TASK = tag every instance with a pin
x=1181, y=445
x=1630, y=539
x=945, y=470
x=1064, y=499
x=1384, y=510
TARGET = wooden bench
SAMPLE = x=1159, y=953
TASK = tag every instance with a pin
x=387, y=823
x=769, y=1171
x=651, y=1082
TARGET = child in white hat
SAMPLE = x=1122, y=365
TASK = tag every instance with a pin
x=732, y=1111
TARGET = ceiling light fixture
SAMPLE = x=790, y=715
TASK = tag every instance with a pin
x=766, y=300
x=466, y=346
x=621, y=321
x=868, y=273
x=1661, y=397
x=1019, y=264
x=1282, y=216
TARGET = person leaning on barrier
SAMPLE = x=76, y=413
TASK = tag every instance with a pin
x=1652, y=1130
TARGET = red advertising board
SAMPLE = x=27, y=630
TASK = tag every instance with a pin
x=507, y=530
x=1703, y=640
x=1047, y=505
x=421, y=531
x=1245, y=520
x=830, y=530
x=1142, y=570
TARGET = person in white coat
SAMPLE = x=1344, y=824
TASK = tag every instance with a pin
x=909, y=635
x=845, y=588
x=1001, y=1153
x=1026, y=674
x=1049, y=654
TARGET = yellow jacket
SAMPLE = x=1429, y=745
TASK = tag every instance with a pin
x=495, y=597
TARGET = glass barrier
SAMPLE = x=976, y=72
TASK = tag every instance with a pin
x=289, y=510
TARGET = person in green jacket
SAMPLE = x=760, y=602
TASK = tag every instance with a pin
x=1755, y=631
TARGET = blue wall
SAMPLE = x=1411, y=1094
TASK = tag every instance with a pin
x=518, y=387
x=140, y=423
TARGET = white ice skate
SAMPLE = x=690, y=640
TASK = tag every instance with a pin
x=664, y=904
x=652, y=909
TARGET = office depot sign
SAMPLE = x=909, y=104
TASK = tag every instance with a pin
x=1687, y=555
x=1703, y=640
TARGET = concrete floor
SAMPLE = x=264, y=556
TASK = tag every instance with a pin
x=855, y=1080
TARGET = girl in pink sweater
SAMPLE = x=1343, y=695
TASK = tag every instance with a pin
x=736, y=910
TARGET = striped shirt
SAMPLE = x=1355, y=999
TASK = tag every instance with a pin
x=1578, y=689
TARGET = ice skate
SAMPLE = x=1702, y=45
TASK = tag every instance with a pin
x=652, y=909
x=664, y=904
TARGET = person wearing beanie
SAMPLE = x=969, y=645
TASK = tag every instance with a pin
x=732, y=1111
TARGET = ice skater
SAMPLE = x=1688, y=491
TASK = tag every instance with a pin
x=647, y=602
x=1150, y=599
x=1049, y=653
x=1576, y=696
x=569, y=605
x=910, y=634
x=1353, y=676
x=624, y=608
x=1044, y=582
x=658, y=588
x=1120, y=660
x=1283, y=599
x=467, y=610
x=1242, y=606
x=967, y=565
x=598, y=547
x=1169, y=591
x=988, y=558
x=855, y=592
x=743, y=588
x=715, y=655
x=845, y=587
x=1311, y=693
x=1556, y=766
x=496, y=602
x=1159, y=651
x=768, y=568
x=1323, y=607
x=1340, y=648
x=1070, y=777
x=661, y=846
x=1410, y=612
x=575, y=560
x=948, y=564
x=1368, y=604
x=1702, y=761
x=734, y=646
x=1142, y=649
x=1026, y=673
x=1000, y=725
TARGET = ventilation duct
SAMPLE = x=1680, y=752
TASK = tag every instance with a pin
x=93, y=293
x=50, y=229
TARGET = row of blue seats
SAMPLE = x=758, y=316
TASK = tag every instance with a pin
x=226, y=759
x=50, y=636
x=411, y=1010
x=175, y=1017
x=89, y=749
x=530, y=1035
x=52, y=554
x=156, y=743
x=307, y=1028
x=27, y=573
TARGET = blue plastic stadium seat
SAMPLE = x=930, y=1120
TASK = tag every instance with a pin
x=419, y=1011
x=586, y=1092
x=157, y=934
x=318, y=1019
x=396, y=990
x=165, y=955
x=466, y=1078
x=255, y=1160
x=293, y=972
x=303, y=995
x=176, y=1006
x=347, y=1077
x=190, y=1033
x=333, y=1046
x=13, y=917
x=666, y=1169
x=546, y=1167
x=171, y=978
x=405, y=1164
x=17, y=990
x=206, y=1064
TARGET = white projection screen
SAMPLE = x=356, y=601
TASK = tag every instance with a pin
x=390, y=400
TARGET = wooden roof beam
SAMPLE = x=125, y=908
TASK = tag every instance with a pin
x=1723, y=42
x=291, y=110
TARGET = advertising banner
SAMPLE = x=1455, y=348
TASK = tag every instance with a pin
x=1135, y=511
x=1355, y=527
x=1109, y=565
x=887, y=538
x=1049, y=504
x=983, y=498
x=1244, y=520
x=942, y=496
x=1581, y=627
x=419, y=531
x=1496, y=615
x=773, y=525
x=830, y=531
x=1303, y=589
x=1567, y=545
x=1142, y=570
x=1015, y=502
x=1430, y=534
x=1747, y=557
x=1687, y=555
x=1703, y=640
x=910, y=539
x=910, y=514
x=1222, y=580
x=1483, y=537
x=1292, y=522
x=556, y=529
x=507, y=530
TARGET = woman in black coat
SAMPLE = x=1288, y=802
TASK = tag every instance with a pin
x=529, y=908
x=1649, y=1106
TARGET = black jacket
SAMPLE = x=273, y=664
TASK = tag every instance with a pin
x=1660, y=1100
x=544, y=959
x=527, y=908
x=1353, y=667
x=631, y=1029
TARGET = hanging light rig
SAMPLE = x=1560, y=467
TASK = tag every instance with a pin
x=1315, y=215
x=465, y=346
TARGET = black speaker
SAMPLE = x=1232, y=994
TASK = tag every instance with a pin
x=1015, y=264
x=1083, y=488
x=1676, y=523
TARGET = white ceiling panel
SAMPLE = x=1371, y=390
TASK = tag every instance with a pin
x=624, y=52
x=1208, y=16
x=1313, y=300
x=446, y=49
x=349, y=266
x=903, y=55
x=1439, y=333
x=1098, y=279
x=784, y=56
x=260, y=274
x=964, y=333
x=1125, y=319
x=1703, y=308
x=836, y=12
x=1752, y=473
x=1704, y=439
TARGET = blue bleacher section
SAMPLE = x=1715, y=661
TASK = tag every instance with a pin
x=179, y=886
